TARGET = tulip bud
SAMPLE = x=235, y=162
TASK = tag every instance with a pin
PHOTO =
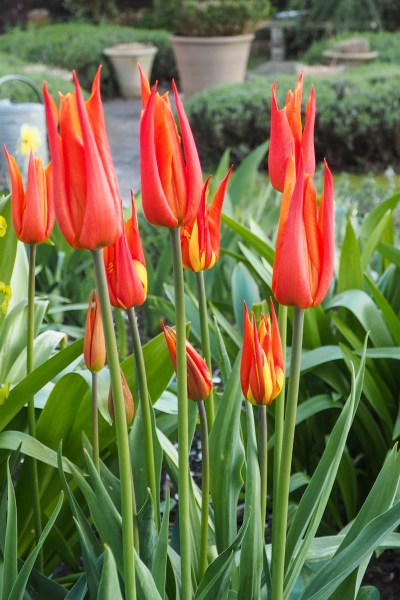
x=128, y=401
x=94, y=348
x=199, y=382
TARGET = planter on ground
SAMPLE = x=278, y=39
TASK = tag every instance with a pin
x=125, y=59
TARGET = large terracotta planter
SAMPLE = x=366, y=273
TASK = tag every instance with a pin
x=204, y=62
x=125, y=59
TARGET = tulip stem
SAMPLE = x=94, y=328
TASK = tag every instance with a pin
x=205, y=488
x=281, y=508
x=37, y=513
x=146, y=410
x=183, y=442
x=279, y=418
x=205, y=342
x=263, y=462
x=125, y=469
x=95, y=423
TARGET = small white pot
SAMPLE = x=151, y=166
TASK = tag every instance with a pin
x=125, y=59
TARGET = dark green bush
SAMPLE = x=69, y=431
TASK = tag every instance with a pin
x=357, y=125
x=387, y=44
x=80, y=46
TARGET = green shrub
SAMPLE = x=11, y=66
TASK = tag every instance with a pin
x=80, y=46
x=387, y=44
x=357, y=125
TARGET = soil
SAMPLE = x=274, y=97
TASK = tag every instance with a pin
x=384, y=573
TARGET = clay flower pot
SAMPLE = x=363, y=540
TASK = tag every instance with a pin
x=125, y=59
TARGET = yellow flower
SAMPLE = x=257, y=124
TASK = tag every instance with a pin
x=5, y=291
x=29, y=139
x=3, y=226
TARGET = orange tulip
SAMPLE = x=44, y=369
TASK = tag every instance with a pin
x=304, y=256
x=170, y=170
x=261, y=367
x=32, y=209
x=198, y=376
x=126, y=267
x=286, y=128
x=200, y=238
x=94, y=348
x=87, y=202
x=128, y=401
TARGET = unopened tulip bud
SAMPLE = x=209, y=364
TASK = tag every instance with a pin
x=94, y=348
x=128, y=401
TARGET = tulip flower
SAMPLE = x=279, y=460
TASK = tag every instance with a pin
x=170, y=170
x=304, y=255
x=261, y=367
x=286, y=128
x=126, y=267
x=198, y=376
x=128, y=401
x=32, y=209
x=94, y=348
x=200, y=238
x=87, y=202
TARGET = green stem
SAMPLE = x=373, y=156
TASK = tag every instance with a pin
x=146, y=411
x=263, y=461
x=37, y=513
x=279, y=418
x=205, y=342
x=183, y=442
x=125, y=469
x=205, y=488
x=281, y=508
x=95, y=423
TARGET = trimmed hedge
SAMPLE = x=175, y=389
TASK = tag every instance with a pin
x=80, y=46
x=357, y=125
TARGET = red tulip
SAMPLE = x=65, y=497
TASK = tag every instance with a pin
x=261, y=367
x=198, y=376
x=87, y=202
x=200, y=238
x=286, y=127
x=304, y=256
x=126, y=267
x=128, y=401
x=94, y=348
x=170, y=170
x=32, y=209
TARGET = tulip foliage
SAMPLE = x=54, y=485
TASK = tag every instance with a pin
x=279, y=368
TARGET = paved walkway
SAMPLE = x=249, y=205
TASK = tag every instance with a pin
x=122, y=121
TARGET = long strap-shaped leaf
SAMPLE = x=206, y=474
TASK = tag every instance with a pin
x=10, y=570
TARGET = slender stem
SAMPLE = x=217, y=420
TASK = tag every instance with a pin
x=37, y=513
x=279, y=418
x=205, y=342
x=145, y=403
x=125, y=469
x=183, y=442
x=95, y=423
x=263, y=461
x=205, y=488
x=281, y=512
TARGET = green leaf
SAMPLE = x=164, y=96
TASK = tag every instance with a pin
x=369, y=593
x=10, y=569
x=160, y=553
x=19, y=586
x=14, y=440
x=226, y=460
x=147, y=531
x=373, y=240
x=260, y=266
x=245, y=175
x=364, y=309
x=109, y=583
x=313, y=358
x=43, y=348
x=391, y=253
x=342, y=564
x=371, y=222
x=223, y=362
x=31, y=384
x=244, y=288
x=89, y=561
x=350, y=271
x=145, y=586
x=251, y=556
x=215, y=582
x=390, y=316
x=265, y=249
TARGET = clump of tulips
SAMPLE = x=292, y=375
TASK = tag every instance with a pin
x=215, y=558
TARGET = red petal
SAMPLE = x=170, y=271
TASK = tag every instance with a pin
x=327, y=237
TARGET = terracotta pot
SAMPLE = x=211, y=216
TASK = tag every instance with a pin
x=125, y=59
x=204, y=62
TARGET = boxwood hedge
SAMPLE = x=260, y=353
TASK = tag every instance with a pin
x=80, y=46
x=357, y=125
